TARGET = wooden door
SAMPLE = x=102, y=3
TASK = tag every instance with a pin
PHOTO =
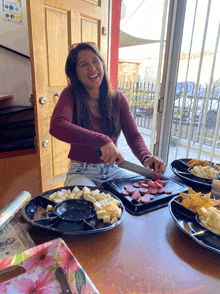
x=53, y=26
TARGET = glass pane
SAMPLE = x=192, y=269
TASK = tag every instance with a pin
x=195, y=128
x=140, y=64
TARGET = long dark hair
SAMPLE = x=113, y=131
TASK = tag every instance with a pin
x=108, y=102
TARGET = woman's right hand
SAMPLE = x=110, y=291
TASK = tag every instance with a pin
x=110, y=153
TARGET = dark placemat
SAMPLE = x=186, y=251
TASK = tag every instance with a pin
x=136, y=207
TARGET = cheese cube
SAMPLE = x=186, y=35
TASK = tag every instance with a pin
x=118, y=213
x=101, y=196
x=95, y=192
x=210, y=222
x=97, y=206
x=106, y=219
x=86, y=189
x=213, y=214
x=90, y=198
x=49, y=207
x=100, y=213
x=114, y=220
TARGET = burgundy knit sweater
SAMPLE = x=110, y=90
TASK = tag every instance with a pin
x=84, y=142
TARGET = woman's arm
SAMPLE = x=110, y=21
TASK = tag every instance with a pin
x=62, y=128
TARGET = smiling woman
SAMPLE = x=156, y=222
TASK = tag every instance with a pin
x=90, y=117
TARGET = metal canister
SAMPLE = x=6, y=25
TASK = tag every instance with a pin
x=215, y=192
x=10, y=210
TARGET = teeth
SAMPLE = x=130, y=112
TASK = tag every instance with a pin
x=94, y=76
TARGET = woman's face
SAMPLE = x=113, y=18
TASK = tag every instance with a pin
x=89, y=69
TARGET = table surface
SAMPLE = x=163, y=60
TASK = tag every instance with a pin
x=144, y=254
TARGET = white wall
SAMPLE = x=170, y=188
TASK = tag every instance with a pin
x=14, y=35
x=15, y=77
x=15, y=70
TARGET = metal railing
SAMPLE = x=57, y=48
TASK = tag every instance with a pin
x=141, y=99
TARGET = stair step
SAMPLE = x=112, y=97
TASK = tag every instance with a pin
x=15, y=114
x=5, y=100
x=27, y=143
x=17, y=131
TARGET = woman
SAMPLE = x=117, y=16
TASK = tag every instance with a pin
x=90, y=117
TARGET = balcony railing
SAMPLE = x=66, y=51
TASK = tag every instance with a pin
x=141, y=99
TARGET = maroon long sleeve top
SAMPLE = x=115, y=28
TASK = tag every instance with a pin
x=84, y=142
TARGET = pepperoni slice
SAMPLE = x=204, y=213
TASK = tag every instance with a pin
x=151, y=184
x=161, y=182
x=143, y=190
x=137, y=185
x=145, y=199
x=167, y=191
x=144, y=185
x=160, y=190
x=129, y=189
x=155, y=176
x=124, y=192
x=152, y=190
x=136, y=196
x=158, y=185
x=151, y=197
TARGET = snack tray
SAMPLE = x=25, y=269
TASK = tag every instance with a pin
x=180, y=169
x=35, y=213
x=138, y=208
x=188, y=222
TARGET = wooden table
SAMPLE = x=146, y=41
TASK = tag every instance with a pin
x=144, y=254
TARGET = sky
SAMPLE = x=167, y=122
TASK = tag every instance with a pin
x=146, y=22
x=143, y=19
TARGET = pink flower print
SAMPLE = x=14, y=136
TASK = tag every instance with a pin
x=41, y=286
x=4, y=263
x=39, y=257
x=69, y=261
x=86, y=289
x=3, y=288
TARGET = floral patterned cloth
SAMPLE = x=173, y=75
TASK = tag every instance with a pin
x=40, y=264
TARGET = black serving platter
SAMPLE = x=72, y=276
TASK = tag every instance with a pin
x=35, y=213
x=180, y=168
x=136, y=207
x=188, y=222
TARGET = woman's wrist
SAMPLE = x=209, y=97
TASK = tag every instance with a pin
x=147, y=156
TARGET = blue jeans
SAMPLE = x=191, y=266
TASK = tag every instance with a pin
x=94, y=174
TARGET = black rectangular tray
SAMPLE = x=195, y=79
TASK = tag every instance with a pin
x=137, y=208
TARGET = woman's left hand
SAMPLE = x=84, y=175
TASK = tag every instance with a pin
x=156, y=164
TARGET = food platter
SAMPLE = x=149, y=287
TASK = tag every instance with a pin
x=180, y=169
x=35, y=212
x=188, y=222
x=136, y=207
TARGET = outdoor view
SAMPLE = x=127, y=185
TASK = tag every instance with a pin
x=196, y=102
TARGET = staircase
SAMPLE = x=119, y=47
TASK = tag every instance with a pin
x=17, y=126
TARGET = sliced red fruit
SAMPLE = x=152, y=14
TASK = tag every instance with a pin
x=124, y=192
x=137, y=185
x=145, y=199
x=143, y=190
x=136, y=196
x=161, y=182
x=167, y=191
x=152, y=190
x=144, y=185
x=158, y=185
x=129, y=189
x=155, y=176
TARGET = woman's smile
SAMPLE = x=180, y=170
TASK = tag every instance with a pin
x=89, y=69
